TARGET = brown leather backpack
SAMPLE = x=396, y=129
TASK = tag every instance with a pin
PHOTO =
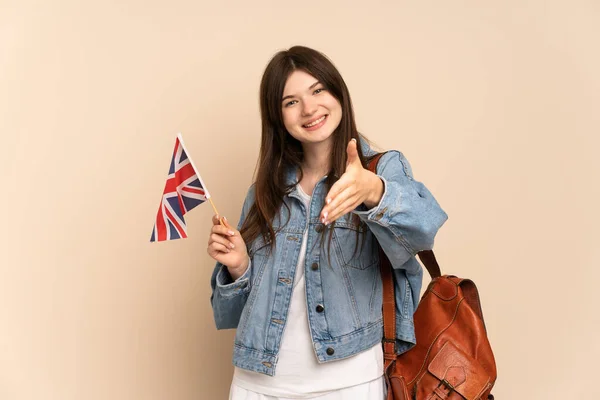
x=453, y=358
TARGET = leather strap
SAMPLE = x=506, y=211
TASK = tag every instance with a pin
x=428, y=259
x=389, y=311
x=389, y=303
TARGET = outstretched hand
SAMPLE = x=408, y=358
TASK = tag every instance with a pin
x=356, y=186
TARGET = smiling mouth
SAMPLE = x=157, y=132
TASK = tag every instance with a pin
x=316, y=122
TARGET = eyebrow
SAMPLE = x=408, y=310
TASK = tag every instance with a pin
x=311, y=86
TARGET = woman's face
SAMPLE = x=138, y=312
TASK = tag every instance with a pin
x=310, y=112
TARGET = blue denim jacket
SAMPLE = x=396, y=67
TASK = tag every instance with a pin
x=344, y=297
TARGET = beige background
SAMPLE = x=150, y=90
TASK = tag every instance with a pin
x=494, y=103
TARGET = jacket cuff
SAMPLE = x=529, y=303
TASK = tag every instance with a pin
x=377, y=214
x=229, y=287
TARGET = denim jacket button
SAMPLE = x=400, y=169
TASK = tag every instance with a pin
x=319, y=228
x=330, y=351
x=314, y=266
x=320, y=308
x=378, y=216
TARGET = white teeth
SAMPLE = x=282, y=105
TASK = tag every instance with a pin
x=316, y=122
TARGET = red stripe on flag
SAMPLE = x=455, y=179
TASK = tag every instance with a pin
x=184, y=173
x=161, y=228
x=192, y=190
x=177, y=144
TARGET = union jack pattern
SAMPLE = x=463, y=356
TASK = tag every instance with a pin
x=184, y=190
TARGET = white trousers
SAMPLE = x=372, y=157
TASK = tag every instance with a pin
x=373, y=390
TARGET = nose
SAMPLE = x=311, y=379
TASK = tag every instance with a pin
x=309, y=106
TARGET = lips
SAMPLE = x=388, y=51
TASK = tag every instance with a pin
x=315, y=121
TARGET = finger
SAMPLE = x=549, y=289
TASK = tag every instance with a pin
x=352, y=153
x=214, y=238
x=338, y=195
x=223, y=230
x=346, y=206
x=338, y=187
x=226, y=223
x=218, y=247
x=215, y=219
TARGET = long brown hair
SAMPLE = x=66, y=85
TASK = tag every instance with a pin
x=279, y=150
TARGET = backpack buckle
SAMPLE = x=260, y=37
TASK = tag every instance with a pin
x=447, y=385
x=392, y=342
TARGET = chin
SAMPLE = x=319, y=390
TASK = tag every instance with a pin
x=318, y=138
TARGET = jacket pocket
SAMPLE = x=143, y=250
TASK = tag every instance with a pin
x=355, y=245
x=258, y=245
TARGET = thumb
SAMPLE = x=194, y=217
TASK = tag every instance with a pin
x=352, y=153
x=225, y=223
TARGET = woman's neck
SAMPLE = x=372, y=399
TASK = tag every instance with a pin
x=317, y=160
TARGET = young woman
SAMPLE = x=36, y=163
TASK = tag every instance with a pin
x=299, y=277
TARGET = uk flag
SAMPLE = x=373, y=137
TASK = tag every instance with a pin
x=184, y=190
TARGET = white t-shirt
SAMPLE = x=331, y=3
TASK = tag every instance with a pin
x=298, y=374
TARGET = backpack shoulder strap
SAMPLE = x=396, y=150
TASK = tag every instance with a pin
x=389, y=302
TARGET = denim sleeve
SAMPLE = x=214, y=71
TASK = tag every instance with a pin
x=229, y=297
x=407, y=217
